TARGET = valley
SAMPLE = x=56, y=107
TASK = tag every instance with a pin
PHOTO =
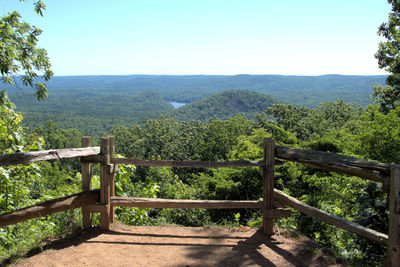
x=94, y=104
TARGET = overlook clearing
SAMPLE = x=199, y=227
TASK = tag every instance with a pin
x=104, y=200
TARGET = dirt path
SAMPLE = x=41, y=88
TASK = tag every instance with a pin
x=178, y=246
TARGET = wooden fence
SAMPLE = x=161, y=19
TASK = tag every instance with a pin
x=104, y=200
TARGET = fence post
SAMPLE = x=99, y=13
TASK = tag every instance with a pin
x=268, y=187
x=86, y=169
x=112, y=180
x=393, y=250
x=105, y=177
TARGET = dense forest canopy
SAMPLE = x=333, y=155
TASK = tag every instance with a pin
x=311, y=90
x=74, y=102
x=85, y=115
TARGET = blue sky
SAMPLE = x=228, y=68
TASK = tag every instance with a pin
x=292, y=37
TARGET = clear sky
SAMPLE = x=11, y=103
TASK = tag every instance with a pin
x=291, y=37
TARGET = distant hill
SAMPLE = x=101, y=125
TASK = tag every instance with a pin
x=86, y=103
x=90, y=113
x=225, y=105
x=301, y=90
x=93, y=104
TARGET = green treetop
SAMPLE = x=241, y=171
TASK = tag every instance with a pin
x=20, y=55
x=388, y=56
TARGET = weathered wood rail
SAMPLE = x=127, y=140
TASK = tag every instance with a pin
x=104, y=200
x=374, y=171
x=54, y=154
x=188, y=164
x=50, y=207
x=321, y=215
x=184, y=203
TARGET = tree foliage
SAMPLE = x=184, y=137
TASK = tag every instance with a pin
x=20, y=55
x=335, y=127
x=388, y=56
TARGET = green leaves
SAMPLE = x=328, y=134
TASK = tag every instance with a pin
x=388, y=59
x=379, y=135
x=20, y=55
x=11, y=131
x=39, y=6
x=309, y=124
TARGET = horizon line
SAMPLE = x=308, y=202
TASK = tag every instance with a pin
x=241, y=74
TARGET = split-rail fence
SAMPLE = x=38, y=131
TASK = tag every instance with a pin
x=103, y=200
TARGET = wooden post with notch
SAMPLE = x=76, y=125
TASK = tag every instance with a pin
x=393, y=249
x=112, y=180
x=86, y=169
x=268, y=187
x=105, y=180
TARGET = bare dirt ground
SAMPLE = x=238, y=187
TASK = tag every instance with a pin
x=179, y=246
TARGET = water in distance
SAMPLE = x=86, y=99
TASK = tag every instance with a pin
x=177, y=104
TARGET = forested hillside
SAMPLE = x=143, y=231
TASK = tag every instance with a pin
x=91, y=113
x=224, y=105
x=96, y=114
x=302, y=90
x=93, y=104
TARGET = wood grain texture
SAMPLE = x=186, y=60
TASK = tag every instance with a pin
x=370, y=170
x=54, y=154
x=105, y=179
x=268, y=185
x=277, y=213
x=112, y=178
x=96, y=208
x=50, y=207
x=321, y=215
x=184, y=203
x=86, y=169
x=393, y=250
x=188, y=164
x=320, y=156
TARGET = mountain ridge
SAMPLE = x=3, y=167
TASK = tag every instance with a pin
x=310, y=90
x=94, y=104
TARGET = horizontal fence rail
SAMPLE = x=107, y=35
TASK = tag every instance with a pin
x=157, y=203
x=290, y=153
x=188, y=164
x=50, y=207
x=54, y=154
x=184, y=203
x=321, y=215
x=374, y=171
